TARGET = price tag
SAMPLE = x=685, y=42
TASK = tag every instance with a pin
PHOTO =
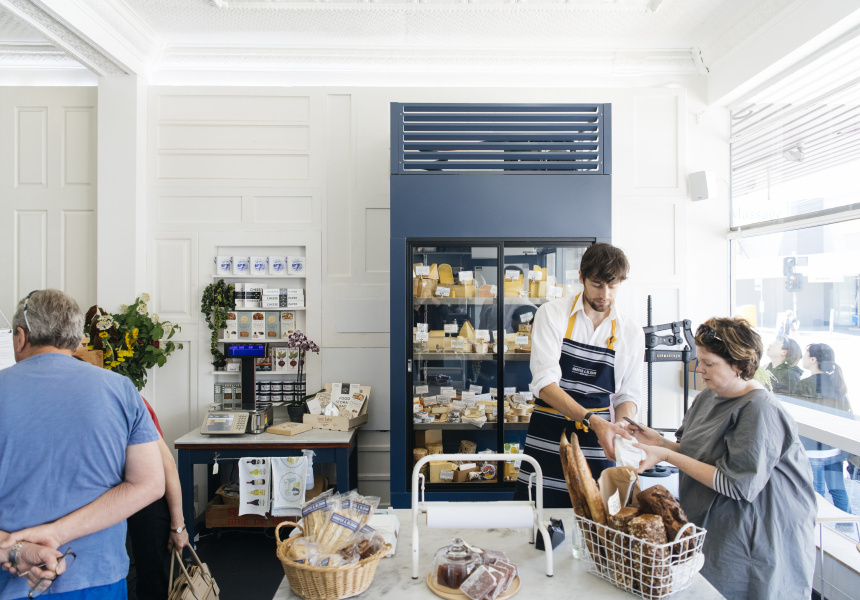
x=443, y=291
x=512, y=275
x=614, y=504
x=466, y=396
x=423, y=327
x=535, y=275
x=482, y=397
x=510, y=390
x=451, y=328
x=526, y=317
x=493, y=291
x=422, y=390
x=527, y=395
x=416, y=408
x=422, y=271
x=494, y=392
x=555, y=291
x=483, y=334
x=458, y=343
x=476, y=388
x=495, y=335
x=522, y=340
x=422, y=336
x=431, y=400
x=458, y=405
x=465, y=276
x=447, y=392
x=446, y=475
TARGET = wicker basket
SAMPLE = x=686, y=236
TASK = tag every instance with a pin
x=326, y=583
x=227, y=500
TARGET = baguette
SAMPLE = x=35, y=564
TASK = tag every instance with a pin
x=592, y=495
x=571, y=478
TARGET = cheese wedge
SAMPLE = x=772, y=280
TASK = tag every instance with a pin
x=467, y=331
x=446, y=275
x=466, y=290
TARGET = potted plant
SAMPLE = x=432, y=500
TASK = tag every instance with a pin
x=218, y=300
x=299, y=345
x=132, y=340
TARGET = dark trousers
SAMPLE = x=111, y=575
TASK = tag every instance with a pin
x=148, y=534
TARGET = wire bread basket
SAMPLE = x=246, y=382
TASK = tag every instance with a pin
x=650, y=571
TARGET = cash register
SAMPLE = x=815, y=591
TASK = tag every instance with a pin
x=253, y=417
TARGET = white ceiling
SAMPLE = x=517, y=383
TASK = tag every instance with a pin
x=157, y=38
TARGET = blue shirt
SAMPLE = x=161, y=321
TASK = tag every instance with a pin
x=64, y=429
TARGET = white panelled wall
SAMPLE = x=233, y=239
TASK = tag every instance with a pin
x=277, y=163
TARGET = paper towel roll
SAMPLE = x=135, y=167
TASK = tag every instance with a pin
x=478, y=515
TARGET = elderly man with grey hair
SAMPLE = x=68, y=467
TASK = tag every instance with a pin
x=79, y=455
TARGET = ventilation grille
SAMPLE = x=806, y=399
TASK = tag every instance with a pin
x=513, y=138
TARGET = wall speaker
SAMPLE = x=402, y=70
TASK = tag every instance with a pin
x=701, y=185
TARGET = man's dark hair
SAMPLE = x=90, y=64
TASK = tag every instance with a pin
x=604, y=263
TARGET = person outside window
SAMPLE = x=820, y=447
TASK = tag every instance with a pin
x=784, y=354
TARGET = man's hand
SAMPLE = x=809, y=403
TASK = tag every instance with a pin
x=606, y=433
x=29, y=556
x=45, y=535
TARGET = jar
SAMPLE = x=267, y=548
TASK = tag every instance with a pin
x=276, y=398
x=265, y=387
x=277, y=387
x=453, y=564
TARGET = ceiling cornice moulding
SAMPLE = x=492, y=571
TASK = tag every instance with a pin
x=649, y=6
x=63, y=37
x=36, y=56
x=396, y=59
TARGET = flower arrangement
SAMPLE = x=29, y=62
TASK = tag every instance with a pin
x=299, y=342
x=133, y=340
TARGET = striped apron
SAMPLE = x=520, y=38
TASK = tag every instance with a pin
x=588, y=375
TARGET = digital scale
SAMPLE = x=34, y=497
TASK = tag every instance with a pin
x=251, y=418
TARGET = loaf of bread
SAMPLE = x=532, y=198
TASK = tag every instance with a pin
x=651, y=574
x=659, y=501
x=592, y=494
x=618, y=550
x=571, y=478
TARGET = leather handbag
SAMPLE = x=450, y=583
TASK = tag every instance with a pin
x=192, y=583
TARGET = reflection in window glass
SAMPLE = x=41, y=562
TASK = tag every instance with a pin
x=801, y=290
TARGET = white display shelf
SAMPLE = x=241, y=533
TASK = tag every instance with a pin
x=259, y=276
x=279, y=309
x=509, y=356
x=478, y=301
x=257, y=341
x=273, y=373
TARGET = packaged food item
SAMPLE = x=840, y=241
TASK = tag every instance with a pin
x=453, y=564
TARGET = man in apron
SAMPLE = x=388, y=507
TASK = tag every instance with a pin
x=586, y=366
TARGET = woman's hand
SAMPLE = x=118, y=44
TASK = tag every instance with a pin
x=646, y=435
x=178, y=540
x=653, y=455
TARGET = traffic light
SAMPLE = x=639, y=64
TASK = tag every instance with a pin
x=793, y=279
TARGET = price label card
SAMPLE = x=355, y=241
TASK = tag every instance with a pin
x=465, y=276
x=483, y=334
x=510, y=390
x=494, y=290
x=494, y=392
x=443, y=291
x=482, y=397
x=535, y=275
x=522, y=340
x=422, y=390
x=495, y=335
x=416, y=408
x=447, y=392
x=422, y=271
x=470, y=403
x=512, y=275
x=423, y=327
x=422, y=336
x=451, y=328
x=475, y=388
x=458, y=405
x=431, y=400
x=458, y=344
x=555, y=291
x=466, y=396
x=526, y=317
x=527, y=395
x=446, y=475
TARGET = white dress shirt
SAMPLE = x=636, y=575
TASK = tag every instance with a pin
x=548, y=331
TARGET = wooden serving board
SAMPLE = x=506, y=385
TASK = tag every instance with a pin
x=289, y=428
x=452, y=594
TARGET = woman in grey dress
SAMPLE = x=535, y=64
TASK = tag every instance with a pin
x=744, y=474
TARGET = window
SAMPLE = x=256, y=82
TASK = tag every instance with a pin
x=795, y=249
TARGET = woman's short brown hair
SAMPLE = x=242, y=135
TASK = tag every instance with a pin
x=604, y=263
x=734, y=340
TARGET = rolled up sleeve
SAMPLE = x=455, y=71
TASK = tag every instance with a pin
x=546, y=346
x=628, y=365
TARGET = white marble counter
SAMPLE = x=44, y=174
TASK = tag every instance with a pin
x=393, y=580
x=308, y=438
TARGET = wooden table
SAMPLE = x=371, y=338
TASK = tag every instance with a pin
x=329, y=446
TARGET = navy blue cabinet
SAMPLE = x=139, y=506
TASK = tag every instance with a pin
x=481, y=236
